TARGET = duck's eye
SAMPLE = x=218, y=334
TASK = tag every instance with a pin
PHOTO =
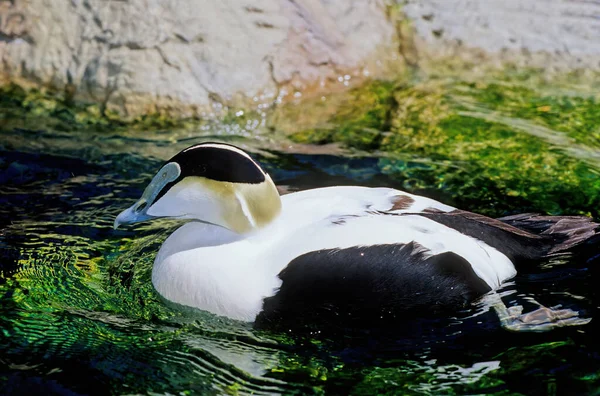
x=141, y=207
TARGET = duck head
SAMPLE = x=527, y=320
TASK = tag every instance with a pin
x=211, y=182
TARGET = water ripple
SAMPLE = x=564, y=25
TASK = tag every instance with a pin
x=78, y=312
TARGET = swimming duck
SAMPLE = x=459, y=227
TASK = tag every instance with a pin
x=345, y=252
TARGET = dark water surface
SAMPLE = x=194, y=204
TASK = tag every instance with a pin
x=78, y=314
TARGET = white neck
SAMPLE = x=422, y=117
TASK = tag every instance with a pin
x=194, y=235
x=196, y=266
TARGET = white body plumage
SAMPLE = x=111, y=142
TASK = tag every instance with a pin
x=212, y=268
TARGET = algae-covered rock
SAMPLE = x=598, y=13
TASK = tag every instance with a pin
x=494, y=147
x=43, y=108
x=356, y=118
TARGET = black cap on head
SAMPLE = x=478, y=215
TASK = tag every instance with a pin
x=220, y=162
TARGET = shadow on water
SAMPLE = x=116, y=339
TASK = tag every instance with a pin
x=78, y=314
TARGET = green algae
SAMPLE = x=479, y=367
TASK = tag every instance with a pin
x=578, y=117
x=47, y=108
x=118, y=286
x=483, y=140
x=354, y=118
x=31, y=108
x=360, y=129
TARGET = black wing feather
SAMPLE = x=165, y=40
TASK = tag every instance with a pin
x=521, y=237
x=362, y=284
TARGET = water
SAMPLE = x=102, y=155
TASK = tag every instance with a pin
x=78, y=314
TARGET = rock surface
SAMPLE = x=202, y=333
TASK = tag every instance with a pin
x=190, y=57
x=561, y=34
x=196, y=57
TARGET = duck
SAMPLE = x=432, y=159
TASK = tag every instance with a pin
x=346, y=254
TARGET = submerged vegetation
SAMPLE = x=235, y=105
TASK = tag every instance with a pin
x=493, y=145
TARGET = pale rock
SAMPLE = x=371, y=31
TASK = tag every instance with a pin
x=558, y=34
x=190, y=57
x=199, y=57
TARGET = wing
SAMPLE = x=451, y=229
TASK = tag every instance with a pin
x=370, y=283
x=522, y=237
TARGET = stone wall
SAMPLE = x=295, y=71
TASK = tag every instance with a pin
x=554, y=34
x=190, y=57
x=194, y=57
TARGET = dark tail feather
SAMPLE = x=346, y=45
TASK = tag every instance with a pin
x=567, y=232
x=590, y=251
x=525, y=237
